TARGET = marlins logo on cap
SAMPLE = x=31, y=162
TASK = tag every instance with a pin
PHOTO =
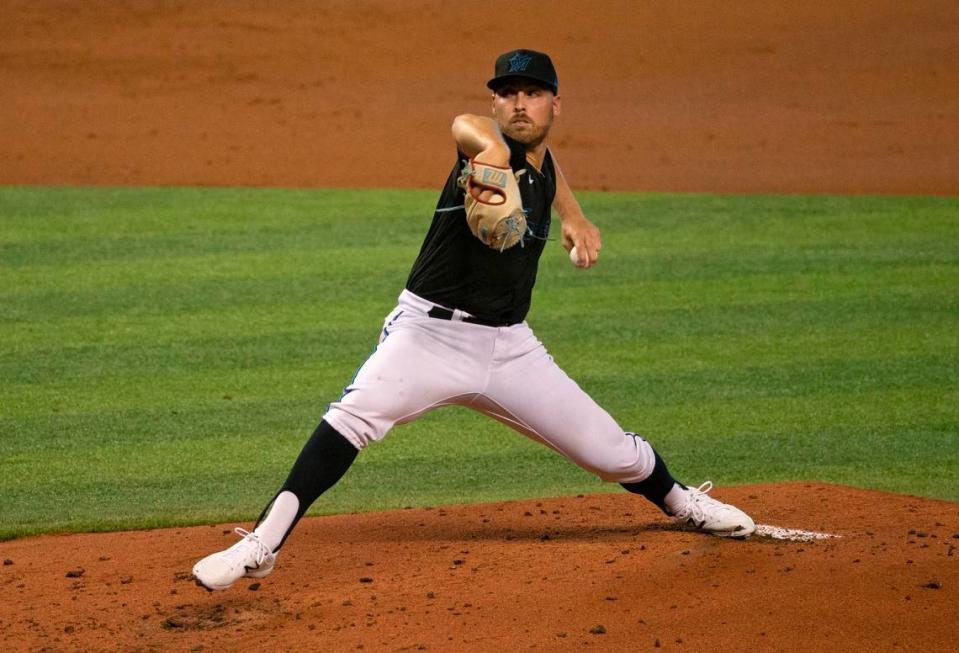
x=518, y=62
x=526, y=64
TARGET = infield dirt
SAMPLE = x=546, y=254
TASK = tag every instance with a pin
x=600, y=573
x=844, y=97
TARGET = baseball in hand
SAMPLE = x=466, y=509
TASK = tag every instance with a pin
x=574, y=258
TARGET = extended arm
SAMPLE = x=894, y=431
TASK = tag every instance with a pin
x=480, y=137
x=577, y=231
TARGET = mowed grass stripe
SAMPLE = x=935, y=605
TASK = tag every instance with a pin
x=161, y=274
x=378, y=481
x=146, y=340
x=671, y=421
x=663, y=412
x=233, y=378
x=208, y=287
x=167, y=351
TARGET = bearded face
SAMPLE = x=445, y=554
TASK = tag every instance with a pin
x=525, y=111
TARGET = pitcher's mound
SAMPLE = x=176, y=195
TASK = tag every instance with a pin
x=600, y=572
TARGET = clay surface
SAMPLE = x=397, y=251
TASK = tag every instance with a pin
x=600, y=572
x=847, y=96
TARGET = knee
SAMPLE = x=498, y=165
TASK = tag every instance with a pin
x=358, y=430
x=629, y=461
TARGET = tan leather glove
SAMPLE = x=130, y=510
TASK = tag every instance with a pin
x=498, y=220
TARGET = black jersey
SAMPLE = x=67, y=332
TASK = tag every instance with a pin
x=456, y=270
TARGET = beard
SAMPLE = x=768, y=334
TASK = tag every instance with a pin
x=527, y=132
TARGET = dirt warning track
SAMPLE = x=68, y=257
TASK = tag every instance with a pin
x=749, y=96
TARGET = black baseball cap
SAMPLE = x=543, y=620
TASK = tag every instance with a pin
x=528, y=64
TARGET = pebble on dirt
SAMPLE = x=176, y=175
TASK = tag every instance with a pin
x=598, y=630
x=75, y=573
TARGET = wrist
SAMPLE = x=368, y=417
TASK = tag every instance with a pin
x=497, y=154
x=572, y=217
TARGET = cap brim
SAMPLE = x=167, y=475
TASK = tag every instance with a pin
x=497, y=82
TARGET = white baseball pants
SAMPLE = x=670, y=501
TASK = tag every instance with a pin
x=422, y=363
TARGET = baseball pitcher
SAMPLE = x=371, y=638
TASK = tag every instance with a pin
x=458, y=334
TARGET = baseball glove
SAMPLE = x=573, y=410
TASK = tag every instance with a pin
x=499, y=221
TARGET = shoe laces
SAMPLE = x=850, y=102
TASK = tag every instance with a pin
x=241, y=548
x=698, y=499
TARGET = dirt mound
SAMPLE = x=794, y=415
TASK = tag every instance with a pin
x=599, y=572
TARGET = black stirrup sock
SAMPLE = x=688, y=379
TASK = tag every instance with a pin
x=656, y=486
x=322, y=462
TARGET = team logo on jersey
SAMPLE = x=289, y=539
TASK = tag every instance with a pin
x=519, y=62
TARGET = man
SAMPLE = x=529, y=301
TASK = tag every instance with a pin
x=458, y=335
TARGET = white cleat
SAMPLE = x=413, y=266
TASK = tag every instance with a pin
x=706, y=514
x=249, y=557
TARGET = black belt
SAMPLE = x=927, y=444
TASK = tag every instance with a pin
x=441, y=313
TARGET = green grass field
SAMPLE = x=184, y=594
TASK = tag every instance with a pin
x=166, y=352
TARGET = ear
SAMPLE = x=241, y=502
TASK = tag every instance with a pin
x=557, y=105
x=492, y=103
